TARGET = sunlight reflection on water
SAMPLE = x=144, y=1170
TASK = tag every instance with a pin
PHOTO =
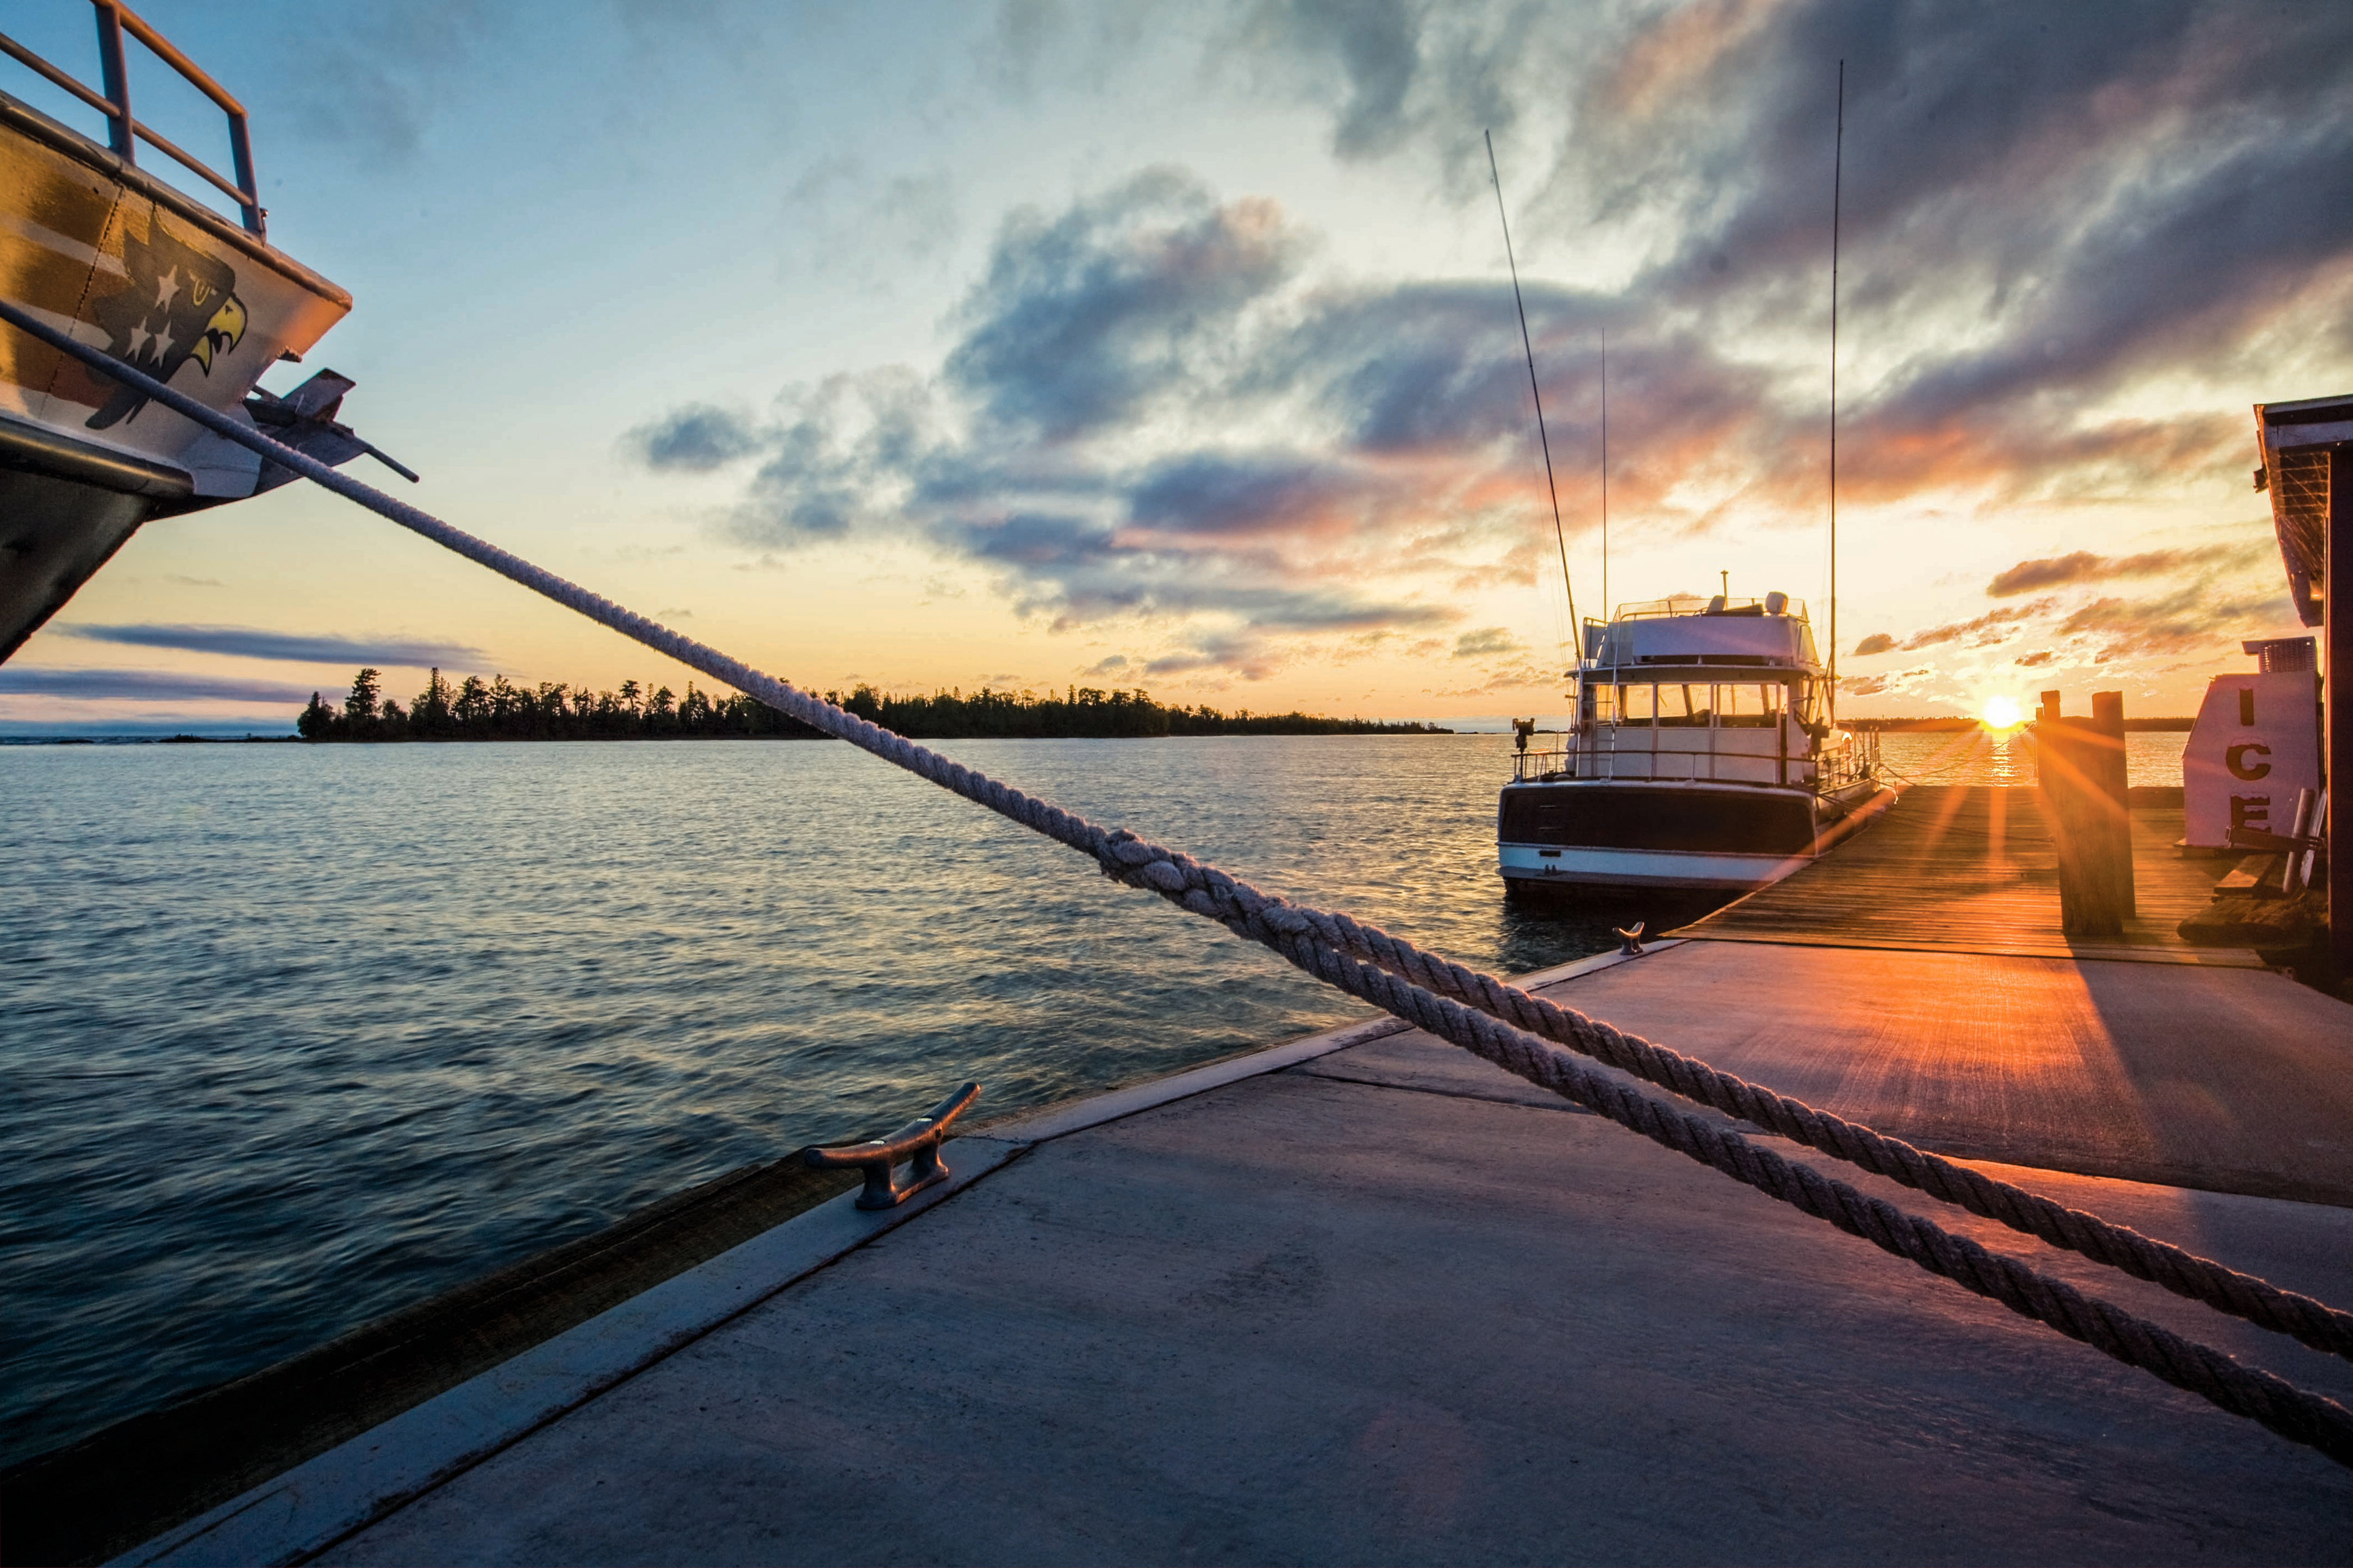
x=1979, y=756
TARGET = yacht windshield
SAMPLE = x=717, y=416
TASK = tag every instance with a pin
x=1754, y=705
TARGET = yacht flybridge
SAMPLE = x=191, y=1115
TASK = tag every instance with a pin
x=1703, y=756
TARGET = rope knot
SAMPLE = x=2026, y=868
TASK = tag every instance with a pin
x=1161, y=876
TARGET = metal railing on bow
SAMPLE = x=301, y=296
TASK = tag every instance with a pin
x=125, y=131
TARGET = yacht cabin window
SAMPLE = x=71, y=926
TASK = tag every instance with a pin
x=1679, y=705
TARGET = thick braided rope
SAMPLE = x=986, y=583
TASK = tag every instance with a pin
x=2317, y=1323
x=2291, y=1412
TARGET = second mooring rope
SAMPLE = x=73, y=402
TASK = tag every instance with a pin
x=1405, y=982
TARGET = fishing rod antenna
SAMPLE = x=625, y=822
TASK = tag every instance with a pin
x=1559, y=534
x=1838, y=175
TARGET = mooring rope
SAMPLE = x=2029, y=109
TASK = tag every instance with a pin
x=1299, y=935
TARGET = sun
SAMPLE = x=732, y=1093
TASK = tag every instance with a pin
x=2002, y=713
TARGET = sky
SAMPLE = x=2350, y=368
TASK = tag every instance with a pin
x=1174, y=346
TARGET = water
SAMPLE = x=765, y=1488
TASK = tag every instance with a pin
x=295, y=1036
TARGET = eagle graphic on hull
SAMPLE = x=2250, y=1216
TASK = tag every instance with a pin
x=176, y=305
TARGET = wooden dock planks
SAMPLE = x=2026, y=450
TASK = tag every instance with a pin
x=1970, y=868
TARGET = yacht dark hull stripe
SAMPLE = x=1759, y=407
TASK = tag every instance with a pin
x=1622, y=816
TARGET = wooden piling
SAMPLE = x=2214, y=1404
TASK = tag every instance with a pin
x=2080, y=776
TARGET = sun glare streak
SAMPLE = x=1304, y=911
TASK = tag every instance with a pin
x=2002, y=713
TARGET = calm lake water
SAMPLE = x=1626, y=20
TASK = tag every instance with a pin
x=294, y=1036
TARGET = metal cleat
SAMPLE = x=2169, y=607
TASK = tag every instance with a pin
x=1632, y=938
x=918, y=1142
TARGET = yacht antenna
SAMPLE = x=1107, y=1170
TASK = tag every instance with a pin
x=1605, y=474
x=1838, y=175
x=1559, y=535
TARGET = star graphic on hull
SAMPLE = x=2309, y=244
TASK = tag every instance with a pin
x=175, y=305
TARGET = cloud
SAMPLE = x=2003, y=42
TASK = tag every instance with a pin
x=135, y=685
x=1082, y=318
x=1487, y=641
x=2034, y=660
x=2042, y=209
x=1895, y=681
x=1144, y=415
x=2028, y=577
x=1983, y=631
x=694, y=439
x=2083, y=566
x=250, y=642
x=2173, y=624
x=1877, y=642
x=2070, y=236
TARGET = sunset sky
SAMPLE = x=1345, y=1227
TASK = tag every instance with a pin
x=1173, y=346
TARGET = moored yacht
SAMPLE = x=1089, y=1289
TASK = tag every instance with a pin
x=1703, y=756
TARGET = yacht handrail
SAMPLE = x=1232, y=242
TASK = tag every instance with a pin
x=124, y=132
x=1691, y=604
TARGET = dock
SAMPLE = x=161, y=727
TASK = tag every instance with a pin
x=1362, y=1296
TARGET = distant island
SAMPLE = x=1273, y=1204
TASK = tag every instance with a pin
x=498, y=710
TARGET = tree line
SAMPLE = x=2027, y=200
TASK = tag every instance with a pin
x=498, y=710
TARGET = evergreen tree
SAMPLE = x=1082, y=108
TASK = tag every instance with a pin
x=318, y=721
x=359, y=708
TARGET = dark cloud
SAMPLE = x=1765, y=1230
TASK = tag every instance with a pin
x=2034, y=660
x=1146, y=414
x=1037, y=453
x=1149, y=408
x=2083, y=566
x=694, y=439
x=248, y=642
x=1877, y=642
x=2042, y=206
x=1395, y=73
x=139, y=685
x=2028, y=577
x=1082, y=318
